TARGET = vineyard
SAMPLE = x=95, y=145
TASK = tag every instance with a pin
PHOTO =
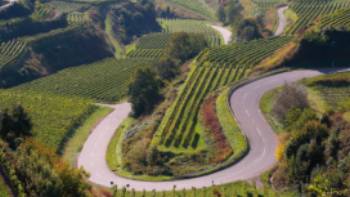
x=53, y=117
x=339, y=19
x=261, y=6
x=104, y=81
x=198, y=6
x=153, y=41
x=78, y=18
x=150, y=46
x=192, y=26
x=309, y=11
x=334, y=89
x=10, y=51
x=179, y=130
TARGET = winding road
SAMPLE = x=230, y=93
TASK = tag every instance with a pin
x=9, y=3
x=245, y=105
x=226, y=34
x=282, y=20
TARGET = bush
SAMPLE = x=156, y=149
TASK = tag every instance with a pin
x=183, y=46
x=15, y=126
x=291, y=96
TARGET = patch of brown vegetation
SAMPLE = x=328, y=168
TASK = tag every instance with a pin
x=221, y=146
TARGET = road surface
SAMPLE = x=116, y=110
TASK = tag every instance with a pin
x=282, y=20
x=226, y=34
x=245, y=105
x=9, y=3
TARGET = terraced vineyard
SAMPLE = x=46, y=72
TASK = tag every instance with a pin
x=243, y=55
x=180, y=130
x=53, y=117
x=309, y=11
x=104, y=81
x=192, y=26
x=339, y=19
x=9, y=52
x=154, y=41
x=150, y=46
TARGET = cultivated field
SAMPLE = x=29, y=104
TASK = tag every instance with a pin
x=10, y=51
x=103, y=81
x=54, y=117
x=309, y=11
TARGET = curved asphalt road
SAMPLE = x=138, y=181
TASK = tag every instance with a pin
x=282, y=22
x=10, y=3
x=226, y=33
x=245, y=105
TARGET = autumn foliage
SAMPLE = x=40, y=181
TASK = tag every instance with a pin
x=221, y=146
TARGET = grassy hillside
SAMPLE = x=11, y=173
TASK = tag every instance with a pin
x=47, y=53
x=196, y=9
x=103, y=81
x=54, y=117
x=192, y=26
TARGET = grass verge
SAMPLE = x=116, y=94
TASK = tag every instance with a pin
x=114, y=156
x=4, y=189
x=75, y=144
x=266, y=105
x=237, y=140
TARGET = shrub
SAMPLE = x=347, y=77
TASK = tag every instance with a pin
x=291, y=96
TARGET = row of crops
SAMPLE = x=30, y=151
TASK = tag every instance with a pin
x=150, y=46
x=216, y=68
x=104, y=81
x=154, y=41
x=9, y=51
x=246, y=54
x=78, y=18
x=339, y=19
x=192, y=26
x=309, y=11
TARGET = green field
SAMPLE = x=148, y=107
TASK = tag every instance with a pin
x=200, y=7
x=54, y=117
x=103, y=81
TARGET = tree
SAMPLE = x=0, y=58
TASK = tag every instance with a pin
x=183, y=46
x=15, y=126
x=248, y=30
x=221, y=14
x=144, y=92
x=167, y=68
